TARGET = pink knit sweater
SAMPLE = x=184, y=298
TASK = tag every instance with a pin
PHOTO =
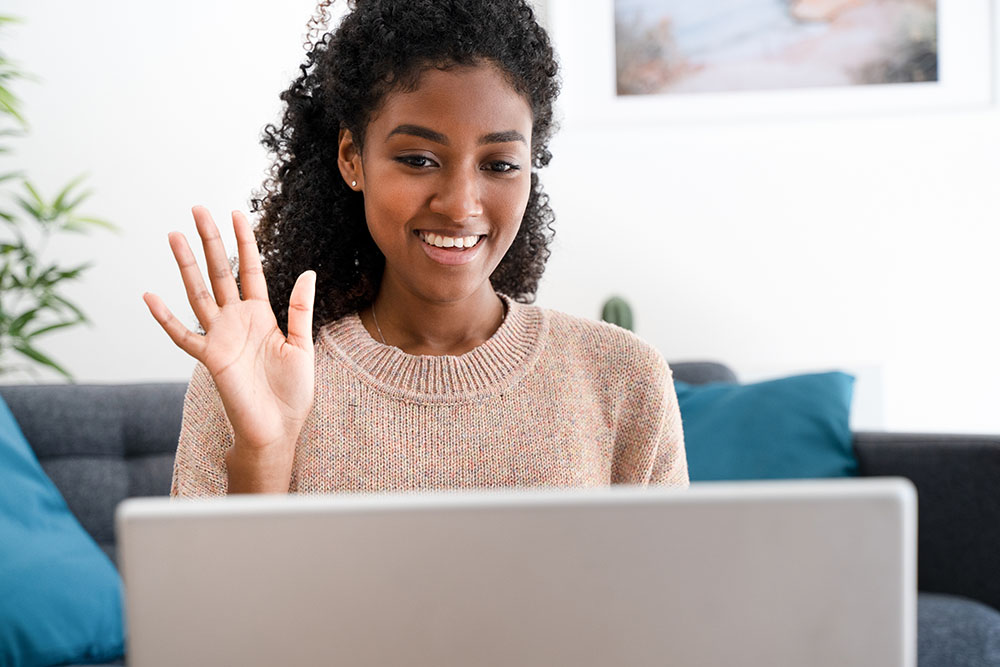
x=549, y=400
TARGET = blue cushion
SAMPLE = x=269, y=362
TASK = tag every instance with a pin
x=60, y=595
x=789, y=428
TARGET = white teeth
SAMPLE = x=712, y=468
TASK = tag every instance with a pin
x=449, y=241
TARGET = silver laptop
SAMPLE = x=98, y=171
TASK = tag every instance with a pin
x=803, y=574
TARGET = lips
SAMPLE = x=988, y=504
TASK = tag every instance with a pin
x=437, y=247
x=450, y=241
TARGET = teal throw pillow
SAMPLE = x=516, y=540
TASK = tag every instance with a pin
x=790, y=428
x=60, y=595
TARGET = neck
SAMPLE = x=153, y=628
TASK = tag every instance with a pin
x=420, y=326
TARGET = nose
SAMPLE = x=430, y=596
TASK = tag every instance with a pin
x=458, y=196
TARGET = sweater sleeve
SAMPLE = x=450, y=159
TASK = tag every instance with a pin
x=649, y=446
x=670, y=461
x=206, y=436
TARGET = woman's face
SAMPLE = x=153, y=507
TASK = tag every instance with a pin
x=445, y=173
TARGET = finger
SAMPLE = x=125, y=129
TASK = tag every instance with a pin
x=220, y=273
x=251, y=273
x=183, y=338
x=300, y=311
x=201, y=300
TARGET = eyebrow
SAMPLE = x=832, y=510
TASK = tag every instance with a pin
x=438, y=138
x=420, y=131
x=503, y=138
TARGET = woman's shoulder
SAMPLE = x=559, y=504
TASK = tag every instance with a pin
x=605, y=344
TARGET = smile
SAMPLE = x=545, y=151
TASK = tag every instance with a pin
x=453, y=242
x=451, y=250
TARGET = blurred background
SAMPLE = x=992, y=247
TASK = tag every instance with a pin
x=865, y=242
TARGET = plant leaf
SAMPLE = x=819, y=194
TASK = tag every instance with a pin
x=21, y=320
x=30, y=208
x=70, y=274
x=97, y=222
x=32, y=353
x=53, y=327
x=68, y=208
x=61, y=197
x=34, y=193
x=71, y=306
x=10, y=104
x=47, y=277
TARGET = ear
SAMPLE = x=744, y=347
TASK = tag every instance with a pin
x=349, y=161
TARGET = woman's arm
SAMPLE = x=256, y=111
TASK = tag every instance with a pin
x=670, y=461
x=649, y=434
x=263, y=379
x=206, y=436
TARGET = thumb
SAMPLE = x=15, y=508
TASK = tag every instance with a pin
x=300, y=311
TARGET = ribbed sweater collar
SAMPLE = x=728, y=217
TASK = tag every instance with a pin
x=487, y=370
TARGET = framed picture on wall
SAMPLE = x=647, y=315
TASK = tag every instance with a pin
x=655, y=60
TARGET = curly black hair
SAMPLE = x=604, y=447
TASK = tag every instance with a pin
x=311, y=219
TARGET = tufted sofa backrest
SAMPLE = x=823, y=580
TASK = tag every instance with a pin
x=101, y=443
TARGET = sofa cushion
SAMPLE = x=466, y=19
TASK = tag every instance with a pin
x=956, y=632
x=60, y=595
x=793, y=427
x=122, y=445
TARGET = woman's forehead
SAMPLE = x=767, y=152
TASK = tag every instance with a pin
x=473, y=98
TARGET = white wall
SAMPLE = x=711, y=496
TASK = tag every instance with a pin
x=866, y=243
x=861, y=242
x=163, y=104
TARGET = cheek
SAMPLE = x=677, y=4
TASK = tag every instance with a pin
x=513, y=202
x=389, y=206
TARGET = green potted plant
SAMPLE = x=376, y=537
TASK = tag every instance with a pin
x=617, y=311
x=32, y=299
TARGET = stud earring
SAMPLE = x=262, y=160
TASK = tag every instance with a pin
x=354, y=184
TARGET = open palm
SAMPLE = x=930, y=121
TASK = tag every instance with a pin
x=265, y=379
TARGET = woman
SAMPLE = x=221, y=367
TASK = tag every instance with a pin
x=381, y=340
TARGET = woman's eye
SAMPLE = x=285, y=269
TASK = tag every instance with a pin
x=417, y=161
x=502, y=167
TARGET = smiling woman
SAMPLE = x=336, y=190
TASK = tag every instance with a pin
x=442, y=165
x=380, y=336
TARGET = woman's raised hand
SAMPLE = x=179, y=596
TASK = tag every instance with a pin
x=264, y=378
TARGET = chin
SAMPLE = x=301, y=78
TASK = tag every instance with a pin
x=453, y=291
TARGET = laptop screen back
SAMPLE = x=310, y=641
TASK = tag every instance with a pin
x=761, y=573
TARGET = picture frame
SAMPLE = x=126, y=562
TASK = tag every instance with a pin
x=584, y=38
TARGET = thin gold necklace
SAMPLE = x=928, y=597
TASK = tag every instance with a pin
x=503, y=318
x=374, y=317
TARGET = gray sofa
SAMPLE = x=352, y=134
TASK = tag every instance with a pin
x=103, y=443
